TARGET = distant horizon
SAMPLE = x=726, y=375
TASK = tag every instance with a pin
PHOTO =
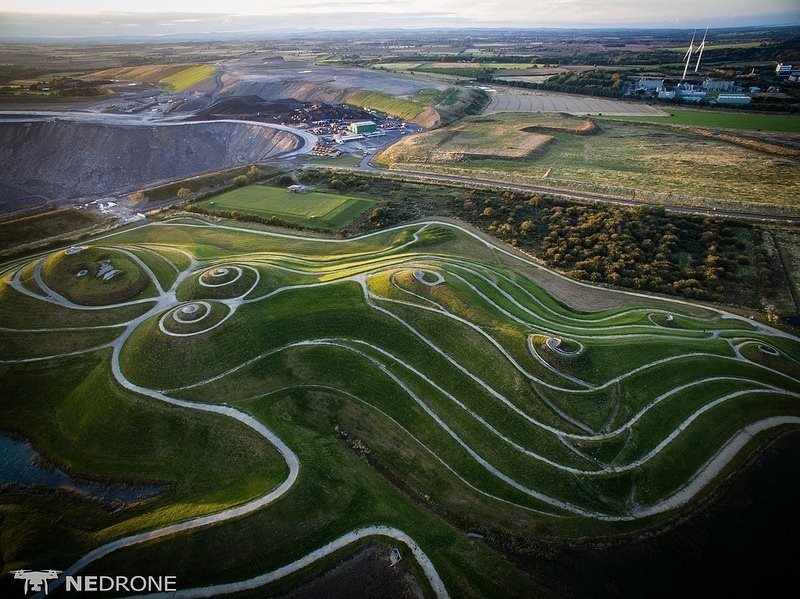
x=196, y=18
x=231, y=34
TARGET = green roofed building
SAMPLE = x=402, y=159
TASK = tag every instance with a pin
x=363, y=127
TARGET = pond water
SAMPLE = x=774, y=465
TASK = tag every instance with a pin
x=20, y=465
x=793, y=321
x=738, y=545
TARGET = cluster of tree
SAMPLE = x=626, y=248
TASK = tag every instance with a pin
x=477, y=72
x=639, y=248
x=621, y=57
x=594, y=83
x=384, y=215
x=788, y=101
x=67, y=86
x=787, y=50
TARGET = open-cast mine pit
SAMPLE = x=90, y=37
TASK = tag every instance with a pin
x=65, y=159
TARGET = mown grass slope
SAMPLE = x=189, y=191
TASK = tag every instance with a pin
x=422, y=382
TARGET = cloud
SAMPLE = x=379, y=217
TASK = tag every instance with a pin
x=202, y=16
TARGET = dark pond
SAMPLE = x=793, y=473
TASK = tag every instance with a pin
x=743, y=543
x=21, y=465
x=794, y=321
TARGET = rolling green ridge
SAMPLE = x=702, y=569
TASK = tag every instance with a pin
x=416, y=378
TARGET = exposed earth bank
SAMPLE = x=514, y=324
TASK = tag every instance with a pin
x=64, y=159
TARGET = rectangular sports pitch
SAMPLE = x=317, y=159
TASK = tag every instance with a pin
x=309, y=209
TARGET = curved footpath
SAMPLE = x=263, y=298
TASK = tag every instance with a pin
x=166, y=300
x=340, y=543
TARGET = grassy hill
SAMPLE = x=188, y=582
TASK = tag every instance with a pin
x=419, y=378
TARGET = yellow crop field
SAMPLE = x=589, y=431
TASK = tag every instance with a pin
x=187, y=78
x=152, y=73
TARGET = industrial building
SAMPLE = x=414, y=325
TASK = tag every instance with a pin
x=362, y=127
x=650, y=85
x=721, y=86
x=733, y=99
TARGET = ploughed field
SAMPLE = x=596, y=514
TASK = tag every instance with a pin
x=304, y=394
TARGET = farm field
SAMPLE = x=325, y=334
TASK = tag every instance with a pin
x=187, y=78
x=398, y=107
x=632, y=161
x=173, y=78
x=722, y=120
x=423, y=66
x=310, y=209
x=505, y=101
x=347, y=390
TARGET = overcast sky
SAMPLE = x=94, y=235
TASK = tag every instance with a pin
x=153, y=17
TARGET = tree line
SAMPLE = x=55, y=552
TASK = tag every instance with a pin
x=642, y=248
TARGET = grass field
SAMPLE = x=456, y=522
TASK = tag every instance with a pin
x=147, y=73
x=397, y=107
x=634, y=161
x=172, y=78
x=722, y=120
x=310, y=209
x=30, y=229
x=482, y=138
x=412, y=378
x=186, y=78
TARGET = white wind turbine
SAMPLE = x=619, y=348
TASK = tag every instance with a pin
x=700, y=50
x=688, y=56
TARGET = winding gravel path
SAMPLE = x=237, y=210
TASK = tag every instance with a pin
x=540, y=318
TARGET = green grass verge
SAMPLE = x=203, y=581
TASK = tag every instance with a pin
x=397, y=107
x=44, y=226
x=720, y=120
x=311, y=209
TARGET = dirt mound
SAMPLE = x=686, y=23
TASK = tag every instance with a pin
x=307, y=91
x=65, y=159
x=285, y=111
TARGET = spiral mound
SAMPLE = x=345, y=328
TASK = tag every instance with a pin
x=220, y=276
x=428, y=277
x=192, y=318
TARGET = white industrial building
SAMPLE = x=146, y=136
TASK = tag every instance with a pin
x=721, y=86
x=651, y=85
x=733, y=99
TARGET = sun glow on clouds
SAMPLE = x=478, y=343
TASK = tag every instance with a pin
x=533, y=13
